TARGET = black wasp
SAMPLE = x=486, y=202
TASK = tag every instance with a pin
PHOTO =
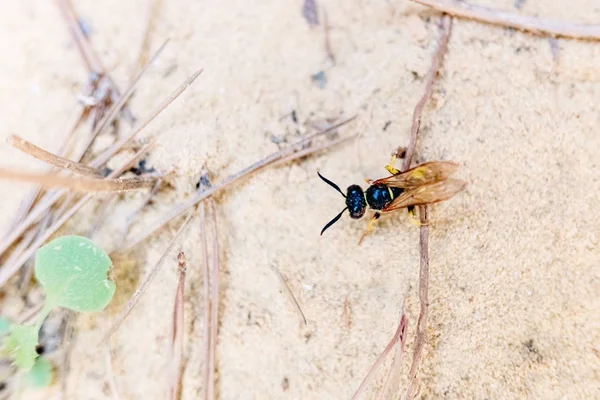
x=424, y=184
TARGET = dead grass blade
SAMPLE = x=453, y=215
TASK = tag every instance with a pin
x=289, y=293
x=153, y=14
x=118, y=106
x=504, y=18
x=80, y=184
x=107, y=155
x=9, y=270
x=101, y=217
x=436, y=61
x=131, y=218
x=146, y=282
x=290, y=153
x=177, y=334
x=51, y=197
x=214, y=302
x=207, y=307
x=51, y=158
x=392, y=381
x=88, y=54
x=421, y=338
x=399, y=336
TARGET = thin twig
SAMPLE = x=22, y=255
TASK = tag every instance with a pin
x=135, y=298
x=504, y=18
x=101, y=217
x=80, y=184
x=421, y=337
x=118, y=106
x=207, y=308
x=153, y=14
x=50, y=198
x=51, y=158
x=104, y=157
x=436, y=61
x=87, y=52
x=131, y=218
x=9, y=270
x=390, y=387
x=177, y=332
x=214, y=302
x=399, y=336
x=289, y=292
x=292, y=152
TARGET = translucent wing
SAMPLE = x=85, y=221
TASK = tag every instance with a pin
x=423, y=174
x=426, y=194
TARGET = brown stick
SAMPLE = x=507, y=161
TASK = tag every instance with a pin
x=421, y=338
x=80, y=184
x=208, y=384
x=214, y=302
x=412, y=390
x=503, y=18
x=399, y=336
x=177, y=335
x=288, y=153
x=436, y=60
x=51, y=158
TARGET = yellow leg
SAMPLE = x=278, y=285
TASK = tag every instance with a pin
x=390, y=167
x=369, y=227
x=414, y=219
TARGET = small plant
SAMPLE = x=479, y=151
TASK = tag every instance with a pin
x=73, y=272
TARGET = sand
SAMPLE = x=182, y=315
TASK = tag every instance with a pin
x=515, y=274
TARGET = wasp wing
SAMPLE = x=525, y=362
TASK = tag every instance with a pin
x=427, y=194
x=420, y=175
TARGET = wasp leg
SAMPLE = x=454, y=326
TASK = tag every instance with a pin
x=413, y=217
x=390, y=167
x=369, y=227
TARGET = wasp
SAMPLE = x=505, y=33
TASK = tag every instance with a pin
x=424, y=184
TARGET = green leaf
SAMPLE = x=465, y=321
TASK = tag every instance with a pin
x=40, y=375
x=20, y=345
x=4, y=326
x=74, y=274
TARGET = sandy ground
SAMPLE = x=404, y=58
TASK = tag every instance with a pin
x=515, y=274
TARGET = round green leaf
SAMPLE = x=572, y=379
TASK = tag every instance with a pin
x=74, y=274
x=40, y=375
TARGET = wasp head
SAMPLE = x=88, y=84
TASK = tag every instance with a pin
x=355, y=202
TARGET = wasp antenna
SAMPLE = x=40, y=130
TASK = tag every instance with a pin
x=333, y=221
x=333, y=185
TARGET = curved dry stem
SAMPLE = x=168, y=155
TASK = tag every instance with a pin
x=79, y=184
x=51, y=158
x=534, y=25
x=399, y=336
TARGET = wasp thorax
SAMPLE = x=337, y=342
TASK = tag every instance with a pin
x=355, y=201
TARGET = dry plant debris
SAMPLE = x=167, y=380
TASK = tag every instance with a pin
x=534, y=25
